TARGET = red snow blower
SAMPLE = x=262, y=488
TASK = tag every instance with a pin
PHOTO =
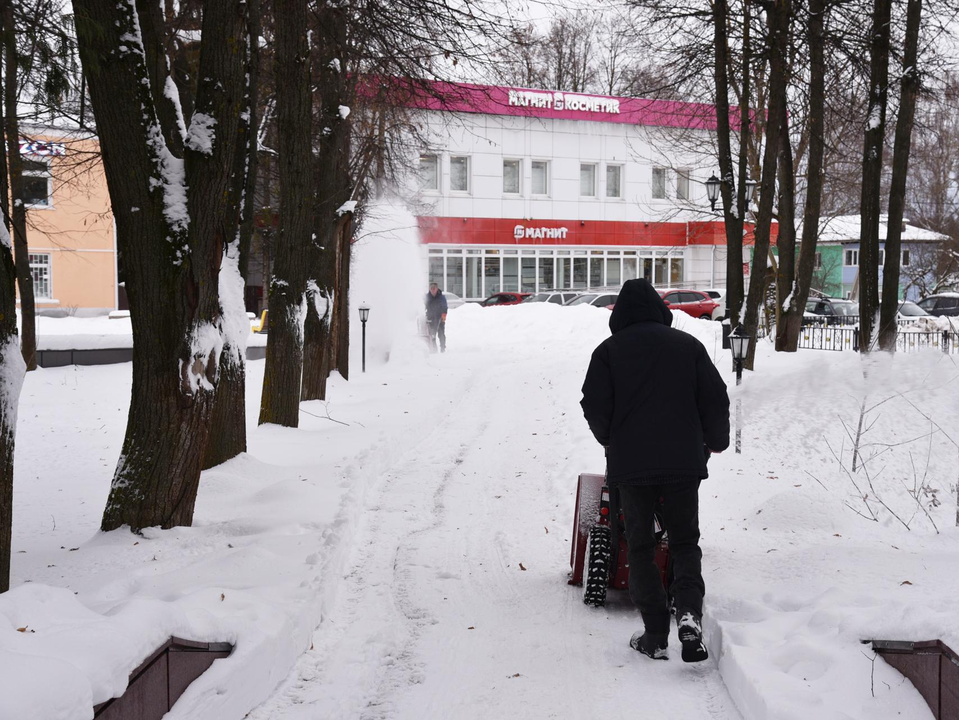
x=600, y=545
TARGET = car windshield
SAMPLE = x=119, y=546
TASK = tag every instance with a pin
x=846, y=308
x=583, y=300
x=539, y=297
x=912, y=310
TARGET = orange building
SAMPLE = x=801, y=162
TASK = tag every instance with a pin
x=71, y=234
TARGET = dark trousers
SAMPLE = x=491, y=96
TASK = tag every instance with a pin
x=436, y=330
x=679, y=508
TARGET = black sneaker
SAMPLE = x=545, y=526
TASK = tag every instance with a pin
x=691, y=637
x=650, y=644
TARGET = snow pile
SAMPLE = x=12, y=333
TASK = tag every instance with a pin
x=201, y=135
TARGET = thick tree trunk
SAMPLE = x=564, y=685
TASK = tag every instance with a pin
x=174, y=215
x=786, y=234
x=732, y=202
x=12, y=369
x=280, y=402
x=778, y=21
x=872, y=173
x=228, y=426
x=793, y=318
x=18, y=215
x=909, y=88
x=342, y=294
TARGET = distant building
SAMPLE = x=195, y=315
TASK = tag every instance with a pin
x=529, y=190
x=70, y=228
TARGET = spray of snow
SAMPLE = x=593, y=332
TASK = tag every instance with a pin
x=173, y=95
x=389, y=274
x=335, y=64
x=344, y=111
x=321, y=303
x=348, y=207
x=206, y=343
x=201, y=135
x=233, y=318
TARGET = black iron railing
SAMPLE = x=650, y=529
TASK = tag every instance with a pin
x=836, y=337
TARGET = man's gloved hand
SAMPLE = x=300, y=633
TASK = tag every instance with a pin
x=443, y=318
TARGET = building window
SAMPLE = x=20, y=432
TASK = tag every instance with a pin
x=905, y=258
x=40, y=269
x=683, y=184
x=851, y=258
x=459, y=174
x=614, y=187
x=429, y=173
x=36, y=184
x=659, y=184
x=511, y=177
x=539, y=184
x=588, y=180
x=817, y=261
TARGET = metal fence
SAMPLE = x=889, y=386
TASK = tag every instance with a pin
x=848, y=338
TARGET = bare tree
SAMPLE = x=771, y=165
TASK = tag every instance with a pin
x=175, y=197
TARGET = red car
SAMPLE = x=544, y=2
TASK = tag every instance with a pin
x=505, y=298
x=693, y=302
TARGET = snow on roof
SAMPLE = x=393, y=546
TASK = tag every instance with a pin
x=846, y=229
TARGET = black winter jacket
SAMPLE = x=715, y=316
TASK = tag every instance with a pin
x=652, y=395
x=436, y=306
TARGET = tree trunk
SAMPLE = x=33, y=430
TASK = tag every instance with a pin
x=28, y=334
x=909, y=88
x=12, y=368
x=787, y=234
x=280, y=402
x=342, y=294
x=872, y=173
x=228, y=426
x=778, y=21
x=174, y=215
x=793, y=319
x=732, y=219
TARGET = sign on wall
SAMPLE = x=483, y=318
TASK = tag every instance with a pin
x=560, y=101
x=539, y=233
x=40, y=148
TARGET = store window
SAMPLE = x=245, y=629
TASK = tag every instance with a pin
x=511, y=274
x=459, y=173
x=545, y=273
x=539, y=177
x=455, y=275
x=676, y=271
x=474, y=288
x=661, y=271
x=511, y=177
x=429, y=172
x=36, y=184
x=614, y=176
x=683, y=184
x=41, y=271
x=563, y=273
x=596, y=271
x=528, y=274
x=491, y=275
x=648, y=269
x=588, y=180
x=851, y=258
x=629, y=269
x=613, y=272
x=579, y=273
x=659, y=183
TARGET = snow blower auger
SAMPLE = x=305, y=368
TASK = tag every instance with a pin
x=599, y=544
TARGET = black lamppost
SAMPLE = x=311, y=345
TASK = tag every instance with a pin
x=739, y=344
x=713, y=193
x=364, y=314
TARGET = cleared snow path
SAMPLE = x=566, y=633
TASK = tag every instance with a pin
x=436, y=618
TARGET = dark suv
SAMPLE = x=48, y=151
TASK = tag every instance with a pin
x=831, y=311
x=941, y=304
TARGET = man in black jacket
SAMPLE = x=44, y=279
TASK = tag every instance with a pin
x=435, y=305
x=654, y=400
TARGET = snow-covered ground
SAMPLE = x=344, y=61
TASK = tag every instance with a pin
x=403, y=554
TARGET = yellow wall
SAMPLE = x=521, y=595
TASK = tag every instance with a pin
x=77, y=231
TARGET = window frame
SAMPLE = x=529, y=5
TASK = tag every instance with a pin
x=606, y=178
x=46, y=174
x=467, y=173
x=503, y=183
x=48, y=267
x=662, y=171
x=905, y=258
x=594, y=166
x=684, y=175
x=854, y=254
x=546, y=179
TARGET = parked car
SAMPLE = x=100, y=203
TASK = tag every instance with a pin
x=453, y=301
x=556, y=298
x=831, y=311
x=941, y=304
x=719, y=296
x=504, y=298
x=595, y=299
x=694, y=303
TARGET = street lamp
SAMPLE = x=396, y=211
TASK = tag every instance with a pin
x=713, y=191
x=364, y=314
x=750, y=186
x=739, y=344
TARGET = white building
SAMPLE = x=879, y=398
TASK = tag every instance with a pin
x=527, y=190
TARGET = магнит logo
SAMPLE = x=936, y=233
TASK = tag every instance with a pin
x=518, y=232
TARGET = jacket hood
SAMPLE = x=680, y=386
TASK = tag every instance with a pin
x=638, y=302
